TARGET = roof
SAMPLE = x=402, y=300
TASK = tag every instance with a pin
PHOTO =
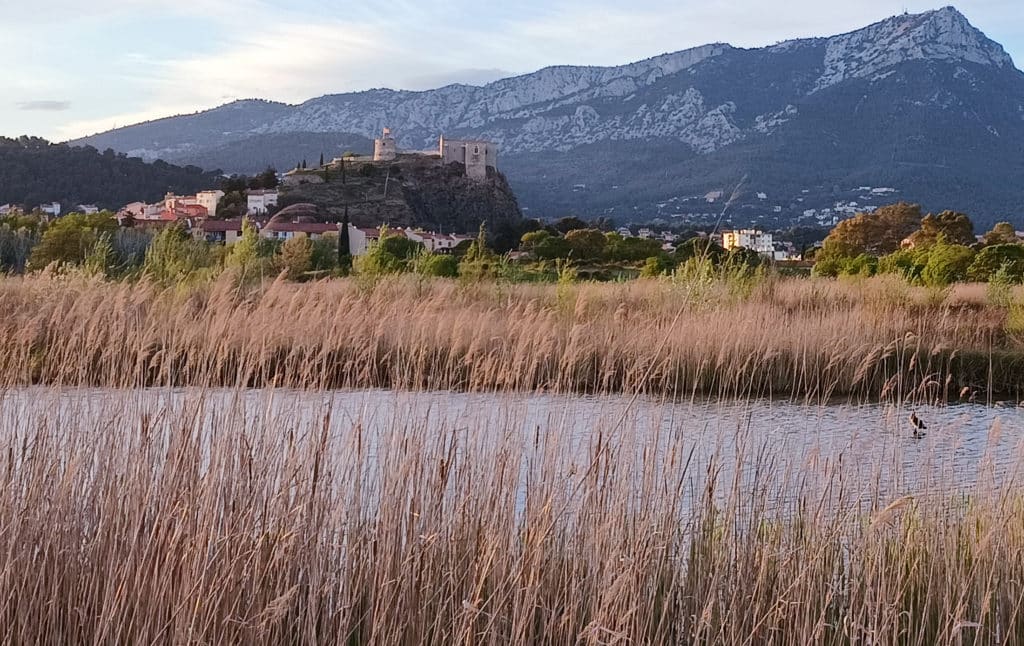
x=219, y=226
x=301, y=227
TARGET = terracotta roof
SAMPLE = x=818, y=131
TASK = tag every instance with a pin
x=217, y=226
x=301, y=227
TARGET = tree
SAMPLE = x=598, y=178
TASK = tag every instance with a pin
x=174, y=256
x=947, y=264
x=344, y=244
x=656, y=266
x=321, y=160
x=325, y=253
x=993, y=258
x=100, y=261
x=1001, y=233
x=619, y=249
x=438, y=266
x=479, y=261
x=876, y=234
x=544, y=246
x=699, y=248
x=907, y=263
x=565, y=225
x=245, y=254
x=70, y=239
x=953, y=227
x=233, y=204
x=391, y=254
x=586, y=244
x=295, y=257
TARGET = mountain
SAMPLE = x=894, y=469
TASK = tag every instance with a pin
x=34, y=171
x=919, y=107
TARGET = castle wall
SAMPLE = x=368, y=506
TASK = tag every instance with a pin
x=475, y=155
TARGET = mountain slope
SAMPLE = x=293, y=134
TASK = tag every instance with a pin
x=924, y=104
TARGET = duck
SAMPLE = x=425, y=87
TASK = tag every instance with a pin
x=918, y=425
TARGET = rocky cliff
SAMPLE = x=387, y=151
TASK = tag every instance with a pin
x=412, y=191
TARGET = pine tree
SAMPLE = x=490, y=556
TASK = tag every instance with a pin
x=321, y=160
x=303, y=164
x=344, y=253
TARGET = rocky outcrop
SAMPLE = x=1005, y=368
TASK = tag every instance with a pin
x=413, y=191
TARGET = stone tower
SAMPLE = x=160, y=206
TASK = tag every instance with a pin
x=385, y=148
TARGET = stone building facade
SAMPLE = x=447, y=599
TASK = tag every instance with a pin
x=476, y=156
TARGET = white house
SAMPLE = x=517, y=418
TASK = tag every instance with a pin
x=88, y=209
x=209, y=199
x=5, y=209
x=435, y=242
x=749, y=239
x=260, y=201
x=53, y=208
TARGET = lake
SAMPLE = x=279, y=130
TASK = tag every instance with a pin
x=868, y=449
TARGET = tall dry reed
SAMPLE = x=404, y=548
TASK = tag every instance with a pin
x=219, y=519
x=800, y=339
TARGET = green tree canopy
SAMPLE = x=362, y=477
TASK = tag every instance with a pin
x=947, y=264
x=544, y=246
x=71, y=239
x=174, y=256
x=586, y=244
x=991, y=259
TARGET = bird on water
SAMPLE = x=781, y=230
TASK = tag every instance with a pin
x=918, y=425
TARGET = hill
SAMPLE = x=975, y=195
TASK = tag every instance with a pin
x=922, y=104
x=33, y=171
x=413, y=191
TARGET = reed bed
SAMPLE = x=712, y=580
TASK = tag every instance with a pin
x=797, y=338
x=214, y=518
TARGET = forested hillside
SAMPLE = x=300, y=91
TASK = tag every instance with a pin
x=33, y=171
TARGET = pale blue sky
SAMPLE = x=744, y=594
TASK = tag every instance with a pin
x=74, y=68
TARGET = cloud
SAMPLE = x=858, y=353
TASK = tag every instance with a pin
x=44, y=106
x=292, y=54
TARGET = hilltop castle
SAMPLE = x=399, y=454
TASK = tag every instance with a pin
x=475, y=155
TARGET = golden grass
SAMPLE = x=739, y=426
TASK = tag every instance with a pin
x=779, y=338
x=132, y=516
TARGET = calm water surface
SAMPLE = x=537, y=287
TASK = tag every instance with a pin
x=869, y=446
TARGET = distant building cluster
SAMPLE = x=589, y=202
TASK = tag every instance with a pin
x=200, y=206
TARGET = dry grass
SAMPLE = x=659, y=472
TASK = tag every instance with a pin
x=131, y=516
x=800, y=339
x=213, y=521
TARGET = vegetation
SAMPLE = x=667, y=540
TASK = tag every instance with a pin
x=230, y=518
x=937, y=250
x=34, y=171
x=718, y=332
x=194, y=514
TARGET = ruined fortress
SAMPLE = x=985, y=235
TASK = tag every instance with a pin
x=475, y=155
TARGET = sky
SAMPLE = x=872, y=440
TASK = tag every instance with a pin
x=74, y=68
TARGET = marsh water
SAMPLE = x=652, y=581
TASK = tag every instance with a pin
x=870, y=447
